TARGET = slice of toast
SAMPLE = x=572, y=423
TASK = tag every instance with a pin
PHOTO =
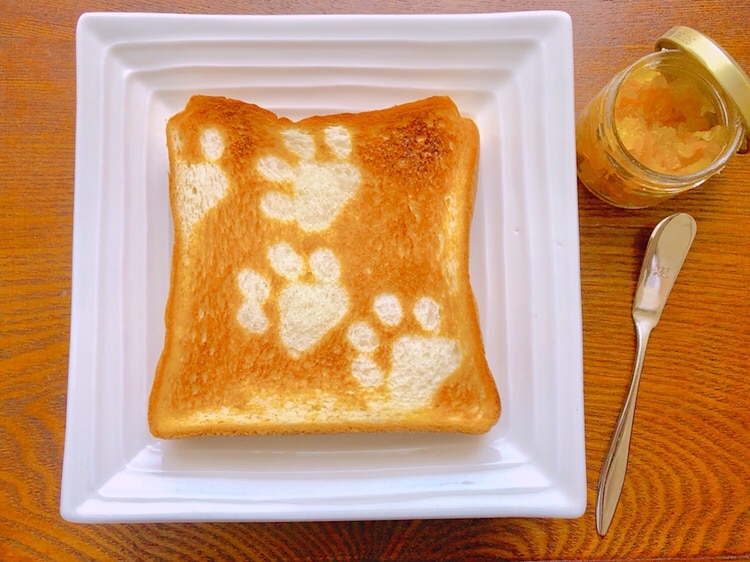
x=320, y=277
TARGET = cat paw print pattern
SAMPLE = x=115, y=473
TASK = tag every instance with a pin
x=307, y=310
x=200, y=186
x=319, y=189
x=419, y=362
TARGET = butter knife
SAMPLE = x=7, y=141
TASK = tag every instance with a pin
x=665, y=253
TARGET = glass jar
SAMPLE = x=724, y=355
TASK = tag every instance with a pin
x=663, y=125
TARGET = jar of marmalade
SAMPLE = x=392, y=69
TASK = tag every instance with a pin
x=665, y=124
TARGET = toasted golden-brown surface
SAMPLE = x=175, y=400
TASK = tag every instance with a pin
x=320, y=275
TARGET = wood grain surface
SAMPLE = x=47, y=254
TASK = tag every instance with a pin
x=687, y=494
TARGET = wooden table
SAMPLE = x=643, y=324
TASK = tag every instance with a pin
x=687, y=494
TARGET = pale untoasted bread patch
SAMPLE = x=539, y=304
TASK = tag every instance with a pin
x=199, y=186
x=319, y=190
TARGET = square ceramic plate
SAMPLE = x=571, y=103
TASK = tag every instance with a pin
x=513, y=74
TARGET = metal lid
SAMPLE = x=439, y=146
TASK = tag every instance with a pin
x=717, y=61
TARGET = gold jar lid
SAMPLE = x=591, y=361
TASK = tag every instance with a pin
x=717, y=61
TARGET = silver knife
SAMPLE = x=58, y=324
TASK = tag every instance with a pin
x=665, y=253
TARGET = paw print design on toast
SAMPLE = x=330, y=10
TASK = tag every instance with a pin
x=419, y=363
x=320, y=189
x=200, y=186
x=307, y=310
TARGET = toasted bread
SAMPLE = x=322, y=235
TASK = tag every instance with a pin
x=320, y=274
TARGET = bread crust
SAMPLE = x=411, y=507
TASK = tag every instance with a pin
x=240, y=356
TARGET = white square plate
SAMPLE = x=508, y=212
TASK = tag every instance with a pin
x=513, y=74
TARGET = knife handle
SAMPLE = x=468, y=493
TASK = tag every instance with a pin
x=615, y=464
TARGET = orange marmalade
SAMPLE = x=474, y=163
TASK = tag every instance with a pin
x=660, y=127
